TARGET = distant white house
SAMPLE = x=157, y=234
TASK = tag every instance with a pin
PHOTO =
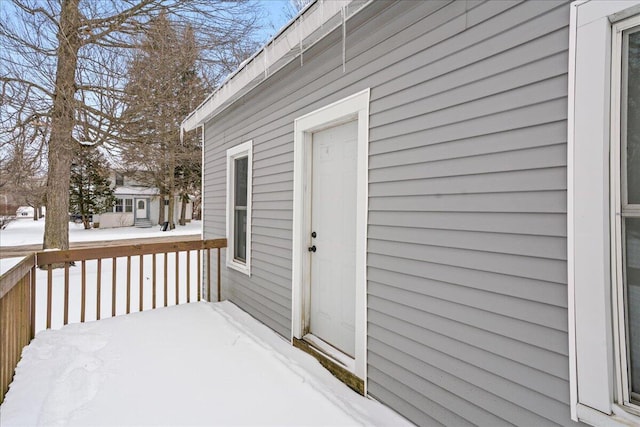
x=137, y=204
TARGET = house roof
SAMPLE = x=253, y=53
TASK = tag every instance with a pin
x=313, y=23
x=137, y=191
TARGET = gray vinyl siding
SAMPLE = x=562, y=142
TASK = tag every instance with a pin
x=467, y=273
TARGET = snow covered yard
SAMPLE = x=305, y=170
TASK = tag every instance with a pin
x=193, y=364
x=28, y=232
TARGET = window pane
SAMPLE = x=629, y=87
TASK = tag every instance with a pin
x=241, y=181
x=632, y=274
x=632, y=116
x=128, y=205
x=240, y=235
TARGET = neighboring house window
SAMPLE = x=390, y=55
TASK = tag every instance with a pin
x=123, y=205
x=604, y=212
x=239, y=170
x=119, y=178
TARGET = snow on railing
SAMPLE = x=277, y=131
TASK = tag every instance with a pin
x=113, y=278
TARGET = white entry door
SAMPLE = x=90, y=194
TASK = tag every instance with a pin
x=141, y=208
x=333, y=223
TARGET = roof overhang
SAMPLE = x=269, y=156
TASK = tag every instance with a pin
x=313, y=23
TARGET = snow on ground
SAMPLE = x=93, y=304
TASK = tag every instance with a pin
x=193, y=364
x=7, y=264
x=30, y=232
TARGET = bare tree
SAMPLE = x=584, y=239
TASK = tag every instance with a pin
x=22, y=174
x=63, y=70
x=292, y=7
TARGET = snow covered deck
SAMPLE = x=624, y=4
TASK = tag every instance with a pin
x=192, y=364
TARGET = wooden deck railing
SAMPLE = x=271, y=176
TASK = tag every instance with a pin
x=111, y=277
x=17, y=317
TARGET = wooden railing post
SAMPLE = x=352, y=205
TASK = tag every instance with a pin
x=33, y=300
x=141, y=294
x=209, y=274
x=199, y=274
x=219, y=293
x=177, y=277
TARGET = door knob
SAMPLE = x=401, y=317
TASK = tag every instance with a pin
x=313, y=234
x=312, y=248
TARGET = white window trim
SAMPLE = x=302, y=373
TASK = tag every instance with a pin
x=616, y=212
x=240, y=150
x=353, y=107
x=595, y=364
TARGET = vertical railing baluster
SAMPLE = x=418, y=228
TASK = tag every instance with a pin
x=218, y=268
x=153, y=303
x=66, y=293
x=188, y=276
x=209, y=274
x=10, y=333
x=128, y=284
x=49, y=293
x=141, y=283
x=177, y=277
x=84, y=290
x=166, y=258
x=199, y=273
x=33, y=300
x=113, y=287
x=98, y=286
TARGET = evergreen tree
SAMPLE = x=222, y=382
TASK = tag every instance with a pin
x=163, y=88
x=90, y=192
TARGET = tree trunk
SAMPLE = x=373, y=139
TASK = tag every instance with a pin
x=35, y=213
x=172, y=188
x=184, y=199
x=61, y=144
x=171, y=215
x=161, y=211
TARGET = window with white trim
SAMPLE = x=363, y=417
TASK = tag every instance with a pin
x=123, y=205
x=239, y=172
x=604, y=212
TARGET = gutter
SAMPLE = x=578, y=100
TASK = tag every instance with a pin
x=312, y=24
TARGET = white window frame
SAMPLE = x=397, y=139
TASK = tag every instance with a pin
x=123, y=205
x=596, y=385
x=618, y=200
x=354, y=107
x=241, y=150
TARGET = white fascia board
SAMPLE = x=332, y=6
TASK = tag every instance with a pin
x=298, y=35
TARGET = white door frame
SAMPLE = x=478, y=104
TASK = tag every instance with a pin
x=146, y=207
x=354, y=107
